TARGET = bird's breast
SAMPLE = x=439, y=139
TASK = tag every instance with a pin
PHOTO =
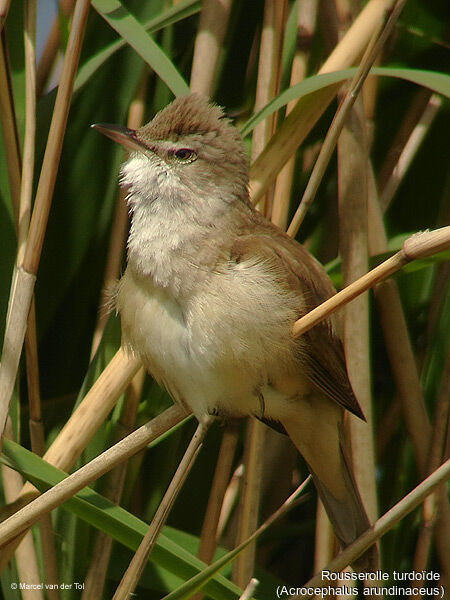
x=216, y=348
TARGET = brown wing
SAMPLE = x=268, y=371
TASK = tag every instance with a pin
x=322, y=358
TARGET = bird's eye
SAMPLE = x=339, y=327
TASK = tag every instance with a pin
x=185, y=155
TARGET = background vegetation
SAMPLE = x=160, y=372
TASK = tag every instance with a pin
x=392, y=158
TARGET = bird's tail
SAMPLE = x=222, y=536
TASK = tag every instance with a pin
x=324, y=448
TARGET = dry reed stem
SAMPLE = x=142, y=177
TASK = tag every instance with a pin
x=83, y=424
x=55, y=139
x=435, y=456
x=208, y=536
x=398, y=346
x=250, y=589
x=268, y=82
x=119, y=228
x=52, y=45
x=229, y=500
x=4, y=8
x=266, y=88
x=404, y=370
x=97, y=571
x=376, y=43
x=37, y=437
x=208, y=44
x=352, y=214
x=26, y=561
x=16, y=320
x=134, y=571
x=26, y=188
x=306, y=23
x=369, y=95
x=419, y=245
x=50, y=563
x=249, y=504
x=328, y=24
x=352, y=156
x=381, y=526
x=25, y=274
x=308, y=109
x=9, y=128
x=25, y=554
x=409, y=121
x=387, y=425
x=409, y=151
x=352, y=187
x=68, y=487
x=32, y=368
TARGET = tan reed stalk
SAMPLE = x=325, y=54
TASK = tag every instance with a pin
x=268, y=82
x=381, y=526
x=438, y=294
x=55, y=139
x=25, y=554
x=9, y=128
x=328, y=24
x=409, y=150
x=373, y=49
x=404, y=368
x=83, y=423
x=309, y=108
x=34, y=397
x=52, y=45
x=26, y=187
x=352, y=200
x=101, y=464
x=250, y=589
x=352, y=153
x=398, y=345
x=4, y=8
x=267, y=87
x=119, y=229
x=208, y=536
x=243, y=568
x=229, y=500
x=346, y=11
x=420, y=245
x=353, y=249
x=32, y=366
x=50, y=563
x=431, y=506
x=306, y=23
x=409, y=121
x=25, y=274
x=208, y=43
x=26, y=561
x=97, y=571
x=387, y=425
x=134, y=571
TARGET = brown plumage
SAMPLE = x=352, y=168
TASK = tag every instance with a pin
x=212, y=290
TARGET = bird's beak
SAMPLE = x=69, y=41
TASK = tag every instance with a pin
x=122, y=135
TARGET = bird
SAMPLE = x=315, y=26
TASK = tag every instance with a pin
x=212, y=289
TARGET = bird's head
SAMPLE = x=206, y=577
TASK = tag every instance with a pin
x=190, y=148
